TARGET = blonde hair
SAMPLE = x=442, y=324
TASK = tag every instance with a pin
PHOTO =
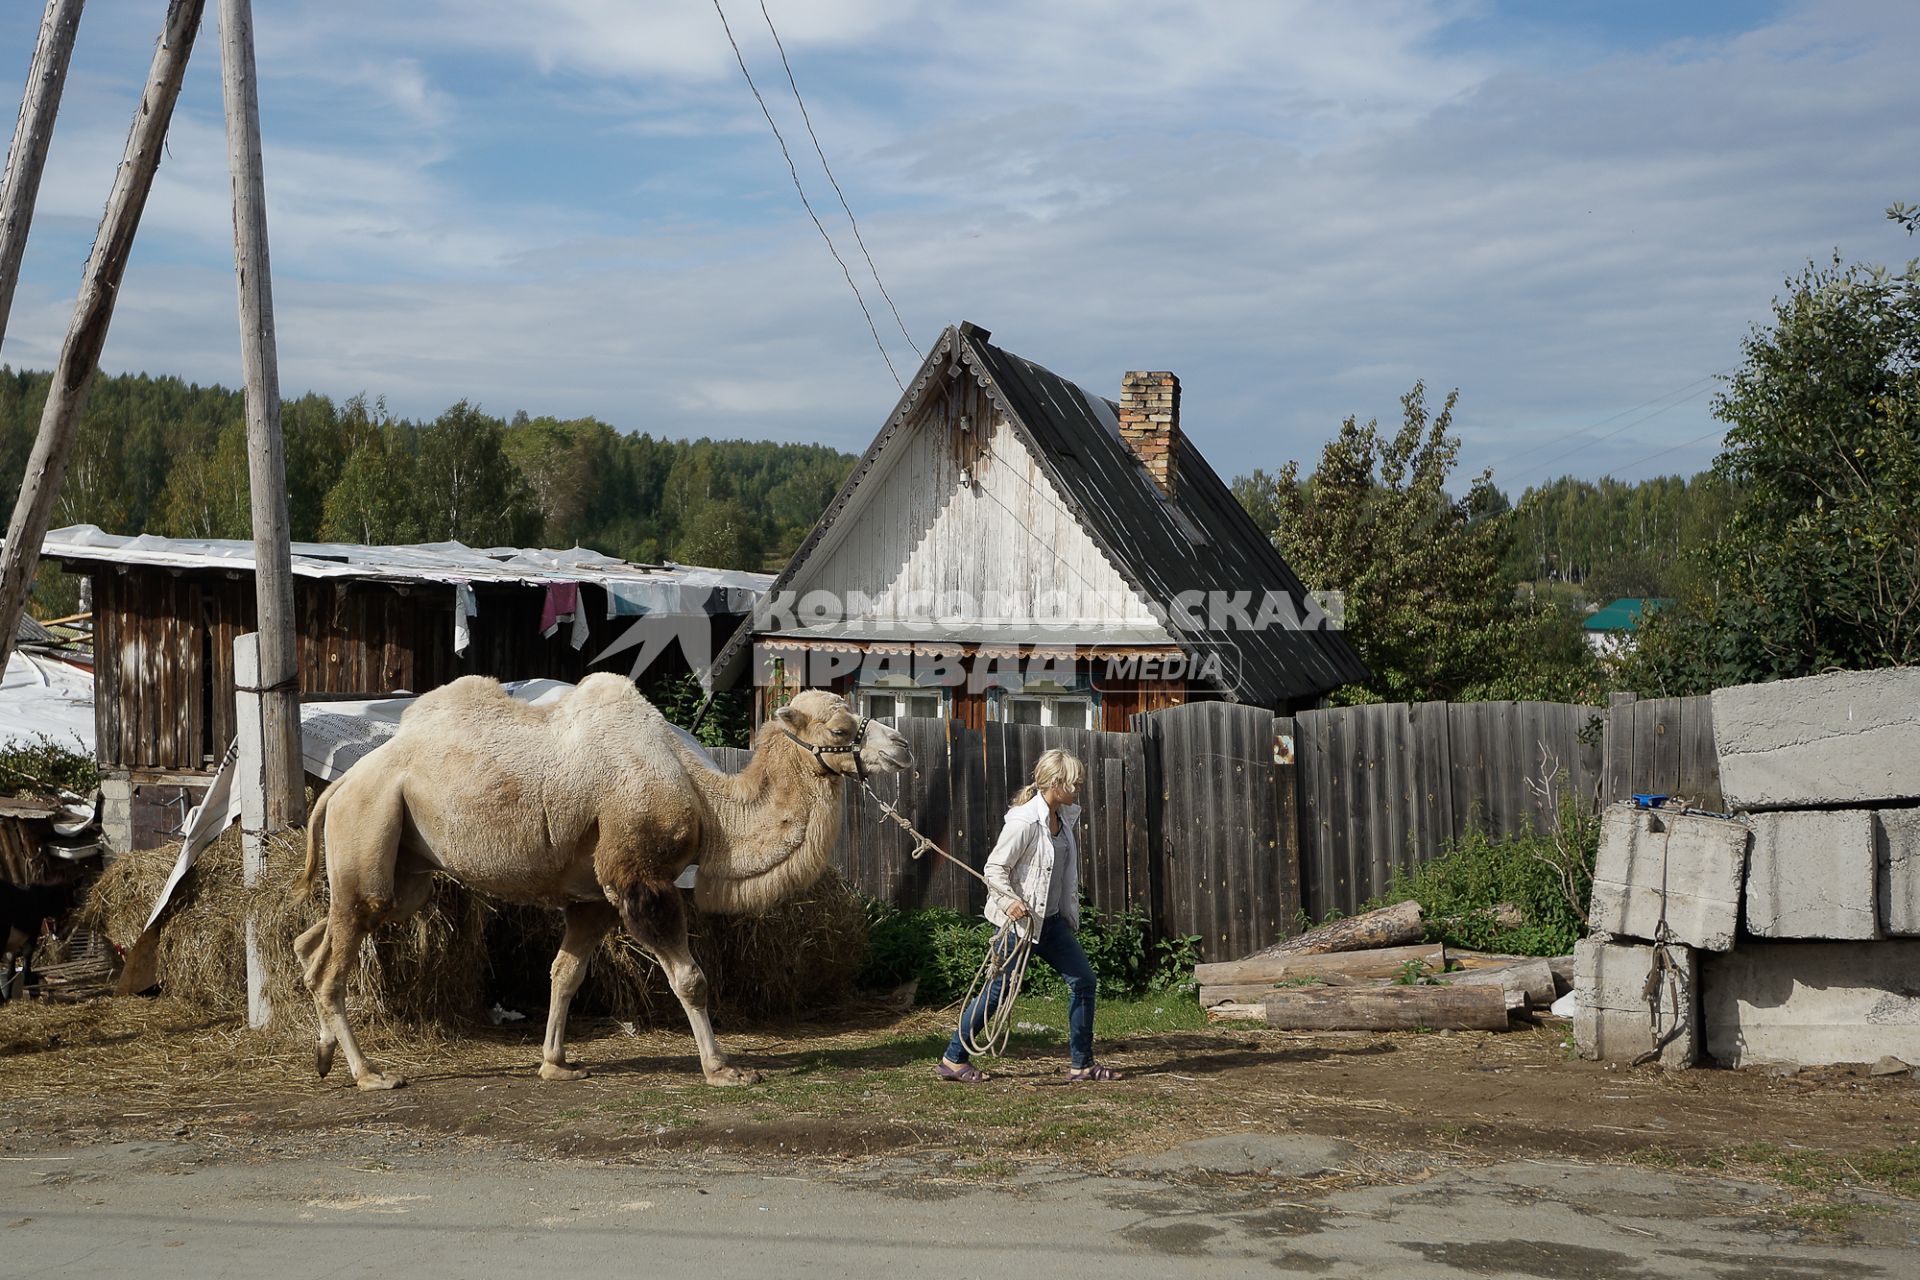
x=1055, y=768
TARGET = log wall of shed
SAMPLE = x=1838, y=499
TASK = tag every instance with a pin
x=163, y=651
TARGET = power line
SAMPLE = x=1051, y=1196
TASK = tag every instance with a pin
x=855, y=222
x=1555, y=439
x=1555, y=461
x=818, y=225
x=1687, y=444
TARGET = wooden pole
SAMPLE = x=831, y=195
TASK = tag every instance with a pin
x=92, y=314
x=279, y=675
x=249, y=708
x=28, y=154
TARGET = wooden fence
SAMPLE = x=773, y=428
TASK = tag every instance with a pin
x=1224, y=821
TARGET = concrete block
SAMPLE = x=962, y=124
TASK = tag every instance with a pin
x=1811, y=874
x=1615, y=1021
x=1852, y=737
x=1896, y=839
x=116, y=813
x=1693, y=866
x=1812, y=1004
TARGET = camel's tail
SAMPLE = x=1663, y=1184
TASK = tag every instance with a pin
x=316, y=834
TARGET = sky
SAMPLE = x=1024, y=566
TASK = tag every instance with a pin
x=1572, y=212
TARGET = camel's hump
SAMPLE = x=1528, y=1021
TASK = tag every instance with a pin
x=603, y=697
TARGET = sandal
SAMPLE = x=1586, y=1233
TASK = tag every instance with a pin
x=1094, y=1071
x=965, y=1073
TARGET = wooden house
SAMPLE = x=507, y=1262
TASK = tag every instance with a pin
x=1014, y=547
x=369, y=622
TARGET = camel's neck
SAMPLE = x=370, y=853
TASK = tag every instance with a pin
x=772, y=831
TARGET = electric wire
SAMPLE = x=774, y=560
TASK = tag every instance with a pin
x=1684, y=444
x=1612, y=417
x=1555, y=461
x=795, y=173
x=858, y=239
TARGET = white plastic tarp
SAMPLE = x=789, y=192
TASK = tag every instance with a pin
x=41, y=697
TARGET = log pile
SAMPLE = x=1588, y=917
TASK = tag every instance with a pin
x=1373, y=972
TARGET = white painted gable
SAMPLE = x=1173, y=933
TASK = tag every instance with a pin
x=995, y=545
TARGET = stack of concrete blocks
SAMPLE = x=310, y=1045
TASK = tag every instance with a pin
x=1828, y=970
x=1666, y=888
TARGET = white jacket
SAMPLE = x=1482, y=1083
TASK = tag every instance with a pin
x=1021, y=864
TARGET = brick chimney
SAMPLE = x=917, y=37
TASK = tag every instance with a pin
x=1150, y=423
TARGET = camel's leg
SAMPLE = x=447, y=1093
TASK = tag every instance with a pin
x=587, y=923
x=657, y=921
x=365, y=889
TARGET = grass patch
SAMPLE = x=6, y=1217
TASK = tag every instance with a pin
x=1827, y=1181
x=1547, y=875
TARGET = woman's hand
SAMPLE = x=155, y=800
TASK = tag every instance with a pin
x=1017, y=910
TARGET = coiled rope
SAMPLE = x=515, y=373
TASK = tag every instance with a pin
x=1007, y=954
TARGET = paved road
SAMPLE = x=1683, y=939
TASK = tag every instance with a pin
x=160, y=1210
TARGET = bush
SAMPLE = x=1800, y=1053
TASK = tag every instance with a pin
x=1547, y=875
x=943, y=950
x=43, y=765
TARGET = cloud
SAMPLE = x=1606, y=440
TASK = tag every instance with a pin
x=574, y=207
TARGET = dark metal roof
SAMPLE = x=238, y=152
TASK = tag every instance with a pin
x=1199, y=539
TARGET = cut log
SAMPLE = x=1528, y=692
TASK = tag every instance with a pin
x=1255, y=992
x=1380, y=962
x=1237, y=1013
x=1531, y=978
x=1482, y=959
x=1481, y=1008
x=1392, y=926
x=1562, y=967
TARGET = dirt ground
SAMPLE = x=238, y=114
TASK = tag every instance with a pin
x=860, y=1084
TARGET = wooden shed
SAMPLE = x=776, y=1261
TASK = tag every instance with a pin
x=370, y=621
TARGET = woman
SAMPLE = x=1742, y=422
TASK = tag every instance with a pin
x=1034, y=877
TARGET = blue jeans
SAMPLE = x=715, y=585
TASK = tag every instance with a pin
x=1058, y=946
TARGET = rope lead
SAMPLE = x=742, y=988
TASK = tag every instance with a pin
x=1007, y=954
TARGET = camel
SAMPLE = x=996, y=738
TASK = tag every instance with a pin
x=591, y=804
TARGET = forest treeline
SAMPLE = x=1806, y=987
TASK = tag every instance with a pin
x=164, y=456
x=1609, y=538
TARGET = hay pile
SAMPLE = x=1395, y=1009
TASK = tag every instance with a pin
x=431, y=969
x=800, y=957
x=462, y=953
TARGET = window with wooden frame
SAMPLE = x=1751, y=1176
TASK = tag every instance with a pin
x=899, y=698
x=1045, y=702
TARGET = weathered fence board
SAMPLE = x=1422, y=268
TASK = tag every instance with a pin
x=1225, y=821
x=1387, y=785
x=1662, y=745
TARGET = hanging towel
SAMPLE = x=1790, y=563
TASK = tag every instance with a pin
x=578, y=638
x=563, y=601
x=465, y=608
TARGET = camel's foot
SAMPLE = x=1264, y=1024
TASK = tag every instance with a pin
x=563, y=1071
x=378, y=1080
x=732, y=1076
x=323, y=1058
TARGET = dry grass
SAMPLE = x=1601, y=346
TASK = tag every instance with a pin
x=442, y=968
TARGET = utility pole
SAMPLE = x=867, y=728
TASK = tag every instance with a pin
x=92, y=314
x=284, y=776
x=28, y=154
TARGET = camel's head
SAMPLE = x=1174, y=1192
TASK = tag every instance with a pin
x=841, y=741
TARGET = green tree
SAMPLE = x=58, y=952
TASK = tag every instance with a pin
x=372, y=502
x=559, y=461
x=1820, y=565
x=210, y=495
x=466, y=487
x=1428, y=605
